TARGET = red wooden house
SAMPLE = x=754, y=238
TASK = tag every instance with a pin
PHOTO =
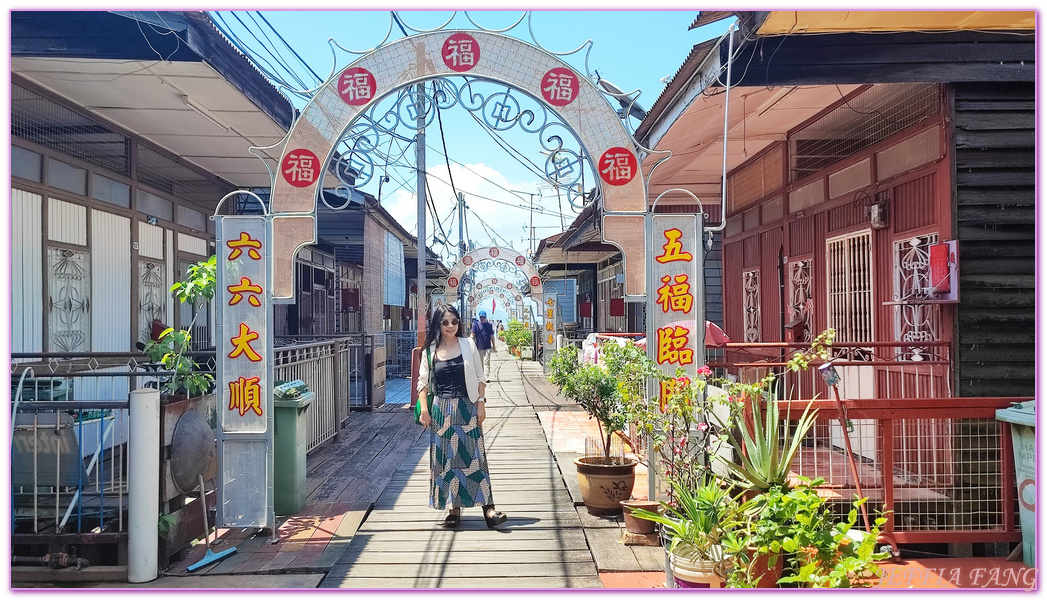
x=880, y=182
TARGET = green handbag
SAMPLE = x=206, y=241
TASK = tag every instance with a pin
x=429, y=396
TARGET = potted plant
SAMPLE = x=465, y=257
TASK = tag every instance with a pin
x=515, y=336
x=797, y=535
x=604, y=480
x=700, y=527
x=173, y=346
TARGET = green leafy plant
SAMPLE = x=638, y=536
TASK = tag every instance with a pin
x=593, y=388
x=818, y=551
x=515, y=335
x=702, y=522
x=171, y=348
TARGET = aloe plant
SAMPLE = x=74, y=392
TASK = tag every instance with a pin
x=766, y=452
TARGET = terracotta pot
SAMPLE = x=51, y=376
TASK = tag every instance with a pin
x=636, y=524
x=605, y=482
x=758, y=567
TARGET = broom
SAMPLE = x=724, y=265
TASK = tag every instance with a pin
x=209, y=556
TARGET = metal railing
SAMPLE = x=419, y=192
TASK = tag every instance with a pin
x=398, y=346
x=941, y=466
x=335, y=369
x=944, y=478
x=69, y=428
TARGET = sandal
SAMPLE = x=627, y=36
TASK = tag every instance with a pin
x=493, y=517
x=452, y=520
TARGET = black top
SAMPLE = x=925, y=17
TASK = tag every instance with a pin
x=449, y=378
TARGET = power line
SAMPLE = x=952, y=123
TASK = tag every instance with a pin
x=289, y=46
x=443, y=141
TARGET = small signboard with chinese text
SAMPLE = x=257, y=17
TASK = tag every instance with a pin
x=678, y=296
x=550, y=318
x=243, y=389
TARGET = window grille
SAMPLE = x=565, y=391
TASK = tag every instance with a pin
x=152, y=297
x=870, y=117
x=751, y=304
x=801, y=303
x=849, y=270
x=48, y=123
x=69, y=291
x=914, y=321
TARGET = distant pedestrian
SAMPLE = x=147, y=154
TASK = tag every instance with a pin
x=483, y=335
x=459, y=475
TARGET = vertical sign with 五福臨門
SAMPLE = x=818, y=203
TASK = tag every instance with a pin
x=243, y=390
x=676, y=305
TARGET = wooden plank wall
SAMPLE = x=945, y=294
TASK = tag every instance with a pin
x=994, y=140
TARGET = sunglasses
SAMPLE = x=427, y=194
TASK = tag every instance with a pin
x=453, y=323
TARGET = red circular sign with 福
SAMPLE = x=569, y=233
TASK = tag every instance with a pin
x=617, y=166
x=535, y=280
x=493, y=252
x=559, y=86
x=461, y=52
x=452, y=282
x=520, y=260
x=357, y=86
x=468, y=260
x=300, y=168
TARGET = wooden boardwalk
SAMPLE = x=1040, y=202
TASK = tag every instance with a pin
x=402, y=544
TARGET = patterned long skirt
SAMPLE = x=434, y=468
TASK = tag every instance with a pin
x=459, y=476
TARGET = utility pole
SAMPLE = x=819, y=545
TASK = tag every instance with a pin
x=421, y=304
x=461, y=249
x=530, y=236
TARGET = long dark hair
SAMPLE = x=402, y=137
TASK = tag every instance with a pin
x=432, y=333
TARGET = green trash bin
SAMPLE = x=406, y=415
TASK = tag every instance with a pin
x=1022, y=417
x=290, y=440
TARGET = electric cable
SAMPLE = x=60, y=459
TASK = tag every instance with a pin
x=443, y=142
x=300, y=59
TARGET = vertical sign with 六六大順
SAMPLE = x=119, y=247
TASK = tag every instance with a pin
x=244, y=352
x=676, y=298
x=550, y=315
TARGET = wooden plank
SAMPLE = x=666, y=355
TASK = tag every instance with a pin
x=385, y=582
x=49, y=575
x=608, y=552
x=542, y=544
x=455, y=556
x=491, y=572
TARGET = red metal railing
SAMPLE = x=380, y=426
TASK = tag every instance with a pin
x=942, y=466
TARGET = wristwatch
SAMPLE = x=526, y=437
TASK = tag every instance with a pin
x=482, y=399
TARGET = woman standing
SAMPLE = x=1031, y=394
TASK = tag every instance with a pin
x=457, y=461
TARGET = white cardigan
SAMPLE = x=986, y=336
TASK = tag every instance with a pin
x=474, y=369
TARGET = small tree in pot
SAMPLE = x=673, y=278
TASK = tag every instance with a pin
x=605, y=480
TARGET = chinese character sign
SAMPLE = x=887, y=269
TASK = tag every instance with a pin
x=559, y=86
x=243, y=314
x=618, y=166
x=356, y=86
x=675, y=338
x=550, y=316
x=301, y=168
x=461, y=52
